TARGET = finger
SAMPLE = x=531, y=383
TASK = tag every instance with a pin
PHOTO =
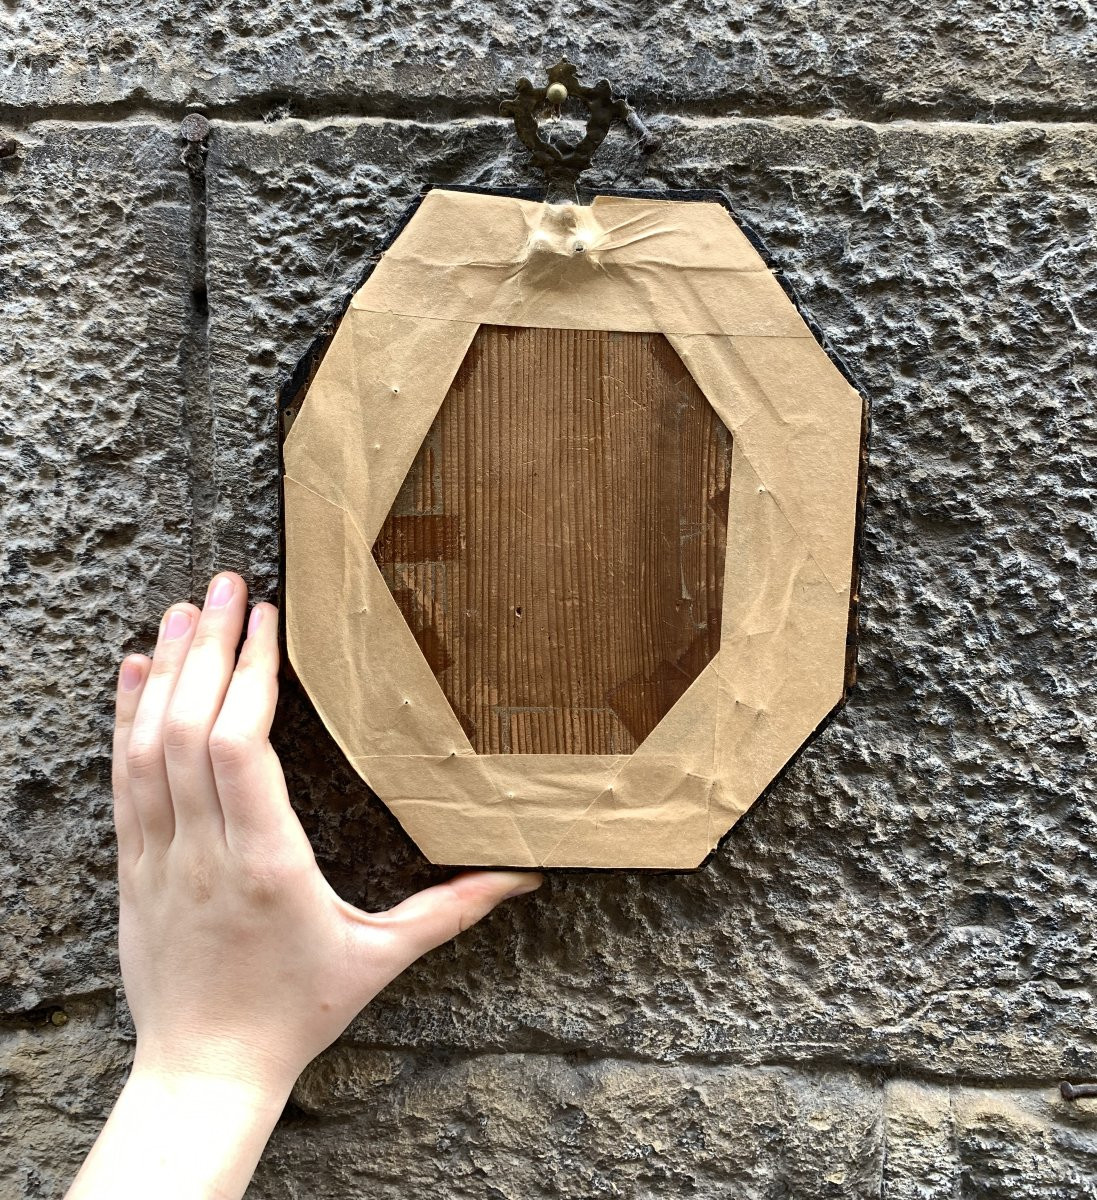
x=435, y=915
x=196, y=702
x=249, y=776
x=131, y=683
x=145, y=767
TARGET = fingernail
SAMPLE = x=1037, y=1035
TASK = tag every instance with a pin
x=524, y=889
x=220, y=592
x=177, y=624
x=131, y=675
x=254, y=620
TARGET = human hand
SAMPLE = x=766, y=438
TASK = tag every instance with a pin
x=240, y=962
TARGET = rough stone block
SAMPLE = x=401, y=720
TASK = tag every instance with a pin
x=900, y=897
x=995, y=1144
x=1023, y=1144
x=919, y=1163
x=973, y=58
x=95, y=533
x=57, y=1085
x=531, y=1126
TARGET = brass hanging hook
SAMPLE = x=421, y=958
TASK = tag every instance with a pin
x=561, y=164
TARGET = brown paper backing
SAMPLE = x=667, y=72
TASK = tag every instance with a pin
x=680, y=268
x=558, y=546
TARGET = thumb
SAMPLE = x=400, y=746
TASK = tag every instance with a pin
x=436, y=914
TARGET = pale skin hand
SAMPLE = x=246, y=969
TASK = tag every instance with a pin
x=240, y=963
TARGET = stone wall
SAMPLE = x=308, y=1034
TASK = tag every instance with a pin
x=875, y=986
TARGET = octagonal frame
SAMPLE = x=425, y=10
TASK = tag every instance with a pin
x=471, y=258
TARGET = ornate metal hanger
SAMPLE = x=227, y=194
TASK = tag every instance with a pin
x=562, y=164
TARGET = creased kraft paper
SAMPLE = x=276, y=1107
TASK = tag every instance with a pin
x=680, y=268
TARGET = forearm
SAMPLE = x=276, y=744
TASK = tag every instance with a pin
x=179, y=1138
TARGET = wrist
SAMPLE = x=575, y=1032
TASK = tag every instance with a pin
x=252, y=1097
x=255, y=1080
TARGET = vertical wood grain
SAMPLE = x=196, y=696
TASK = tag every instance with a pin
x=557, y=548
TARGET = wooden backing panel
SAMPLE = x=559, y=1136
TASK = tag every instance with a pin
x=558, y=545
